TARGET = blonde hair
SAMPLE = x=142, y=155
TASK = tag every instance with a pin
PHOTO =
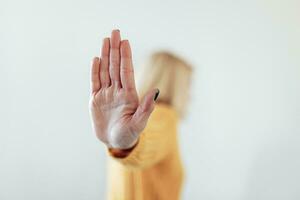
x=171, y=75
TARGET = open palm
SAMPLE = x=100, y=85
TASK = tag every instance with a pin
x=117, y=115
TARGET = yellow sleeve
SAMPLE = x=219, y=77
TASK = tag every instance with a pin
x=156, y=141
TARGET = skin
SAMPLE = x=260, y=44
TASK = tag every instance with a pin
x=117, y=115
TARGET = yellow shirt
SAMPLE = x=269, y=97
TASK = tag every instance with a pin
x=153, y=169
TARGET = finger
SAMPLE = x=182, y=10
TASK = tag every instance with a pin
x=145, y=109
x=126, y=70
x=114, y=62
x=104, y=70
x=95, y=79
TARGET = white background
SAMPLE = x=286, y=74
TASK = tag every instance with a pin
x=241, y=138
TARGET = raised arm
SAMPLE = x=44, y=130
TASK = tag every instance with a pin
x=118, y=117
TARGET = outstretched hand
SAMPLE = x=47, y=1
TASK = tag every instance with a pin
x=117, y=115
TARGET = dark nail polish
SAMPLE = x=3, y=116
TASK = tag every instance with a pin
x=156, y=95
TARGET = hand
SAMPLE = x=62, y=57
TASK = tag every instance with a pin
x=117, y=115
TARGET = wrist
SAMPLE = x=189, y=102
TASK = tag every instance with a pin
x=122, y=153
x=122, y=143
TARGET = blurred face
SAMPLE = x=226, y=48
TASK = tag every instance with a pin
x=186, y=97
x=187, y=94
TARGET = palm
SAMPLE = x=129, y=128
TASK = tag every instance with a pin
x=116, y=113
x=114, y=108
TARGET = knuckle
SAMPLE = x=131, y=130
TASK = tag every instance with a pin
x=114, y=61
x=127, y=70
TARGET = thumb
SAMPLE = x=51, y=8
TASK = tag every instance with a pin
x=145, y=109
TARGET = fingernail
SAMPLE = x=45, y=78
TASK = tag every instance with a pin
x=156, y=95
x=105, y=39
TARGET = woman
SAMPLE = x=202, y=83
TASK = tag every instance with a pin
x=141, y=136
